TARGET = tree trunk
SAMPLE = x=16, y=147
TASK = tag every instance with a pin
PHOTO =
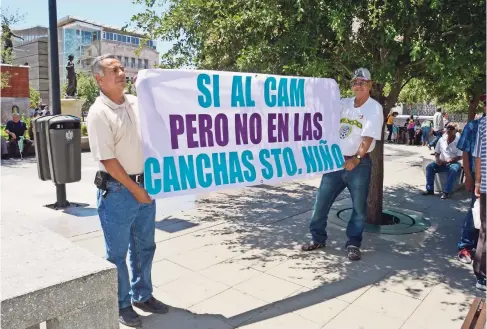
x=472, y=106
x=376, y=186
x=376, y=191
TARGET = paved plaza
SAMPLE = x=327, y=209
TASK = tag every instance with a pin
x=232, y=259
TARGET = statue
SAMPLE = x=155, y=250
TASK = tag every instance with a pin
x=72, y=81
x=7, y=35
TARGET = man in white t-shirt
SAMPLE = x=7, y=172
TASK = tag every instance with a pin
x=361, y=123
x=126, y=211
x=447, y=155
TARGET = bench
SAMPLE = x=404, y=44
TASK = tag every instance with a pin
x=476, y=315
x=47, y=279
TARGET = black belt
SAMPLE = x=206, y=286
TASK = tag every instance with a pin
x=136, y=178
x=347, y=157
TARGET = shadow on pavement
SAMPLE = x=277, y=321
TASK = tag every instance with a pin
x=272, y=223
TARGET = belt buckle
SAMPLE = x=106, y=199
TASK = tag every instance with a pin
x=138, y=179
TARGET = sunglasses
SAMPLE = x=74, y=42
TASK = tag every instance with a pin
x=359, y=83
x=450, y=128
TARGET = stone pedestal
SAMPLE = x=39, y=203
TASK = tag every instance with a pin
x=71, y=106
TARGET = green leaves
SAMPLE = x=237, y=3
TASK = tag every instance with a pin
x=398, y=40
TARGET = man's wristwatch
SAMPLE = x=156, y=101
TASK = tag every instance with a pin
x=358, y=156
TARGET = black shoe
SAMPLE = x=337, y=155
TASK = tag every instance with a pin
x=152, y=305
x=428, y=193
x=445, y=196
x=5, y=157
x=127, y=316
x=354, y=253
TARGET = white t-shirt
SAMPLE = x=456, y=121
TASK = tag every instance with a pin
x=438, y=123
x=114, y=133
x=358, y=122
x=448, y=151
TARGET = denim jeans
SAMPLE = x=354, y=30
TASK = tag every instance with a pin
x=332, y=184
x=128, y=226
x=470, y=234
x=426, y=134
x=433, y=168
x=437, y=135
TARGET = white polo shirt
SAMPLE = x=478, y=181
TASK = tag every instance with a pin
x=114, y=133
x=358, y=122
x=448, y=151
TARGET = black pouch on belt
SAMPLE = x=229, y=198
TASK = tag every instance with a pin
x=101, y=179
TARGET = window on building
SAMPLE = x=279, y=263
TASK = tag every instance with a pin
x=133, y=63
x=139, y=63
x=119, y=37
x=124, y=38
x=120, y=59
x=137, y=40
x=128, y=39
x=126, y=62
x=104, y=35
x=146, y=63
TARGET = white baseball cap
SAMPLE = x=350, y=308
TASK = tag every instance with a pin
x=362, y=74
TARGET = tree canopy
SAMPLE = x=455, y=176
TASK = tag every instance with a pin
x=427, y=41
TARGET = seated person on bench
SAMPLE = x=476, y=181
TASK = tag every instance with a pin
x=16, y=128
x=447, y=156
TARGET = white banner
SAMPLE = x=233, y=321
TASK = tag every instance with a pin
x=206, y=130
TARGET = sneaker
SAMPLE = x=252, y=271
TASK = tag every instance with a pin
x=152, y=305
x=353, y=253
x=428, y=193
x=127, y=316
x=465, y=256
x=480, y=285
x=445, y=196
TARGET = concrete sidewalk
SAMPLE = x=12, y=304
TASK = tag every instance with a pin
x=232, y=259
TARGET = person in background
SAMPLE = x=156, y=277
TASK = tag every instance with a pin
x=418, y=133
x=446, y=119
x=426, y=130
x=466, y=143
x=410, y=124
x=127, y=212
x=438, y=126
x=15, y=129
x=390, y=125
x=480, y=155
x=361, y=124
x=447, y=156
x=4, y=149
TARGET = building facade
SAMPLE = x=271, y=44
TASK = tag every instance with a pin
x=85, y=40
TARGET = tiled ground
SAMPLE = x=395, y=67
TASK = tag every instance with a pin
x=232, y=259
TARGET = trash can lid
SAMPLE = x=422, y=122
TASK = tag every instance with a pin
x=63, y=118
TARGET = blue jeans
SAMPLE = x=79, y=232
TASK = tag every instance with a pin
x=470, y=234
x=128, y=226
x=426, y=134
x=433, y=168
x=332, y=184
x=437, y=135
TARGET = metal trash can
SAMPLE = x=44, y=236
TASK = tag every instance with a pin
x=64, y=148
x=40, y=128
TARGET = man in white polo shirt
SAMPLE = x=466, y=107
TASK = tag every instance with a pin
x=447, y=156
x=361, y=124
x=127, y=213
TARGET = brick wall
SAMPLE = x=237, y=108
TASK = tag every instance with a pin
x=18, y=81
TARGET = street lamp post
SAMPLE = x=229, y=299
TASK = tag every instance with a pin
x=61, y=201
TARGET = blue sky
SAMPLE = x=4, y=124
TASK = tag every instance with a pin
x=109, y=12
